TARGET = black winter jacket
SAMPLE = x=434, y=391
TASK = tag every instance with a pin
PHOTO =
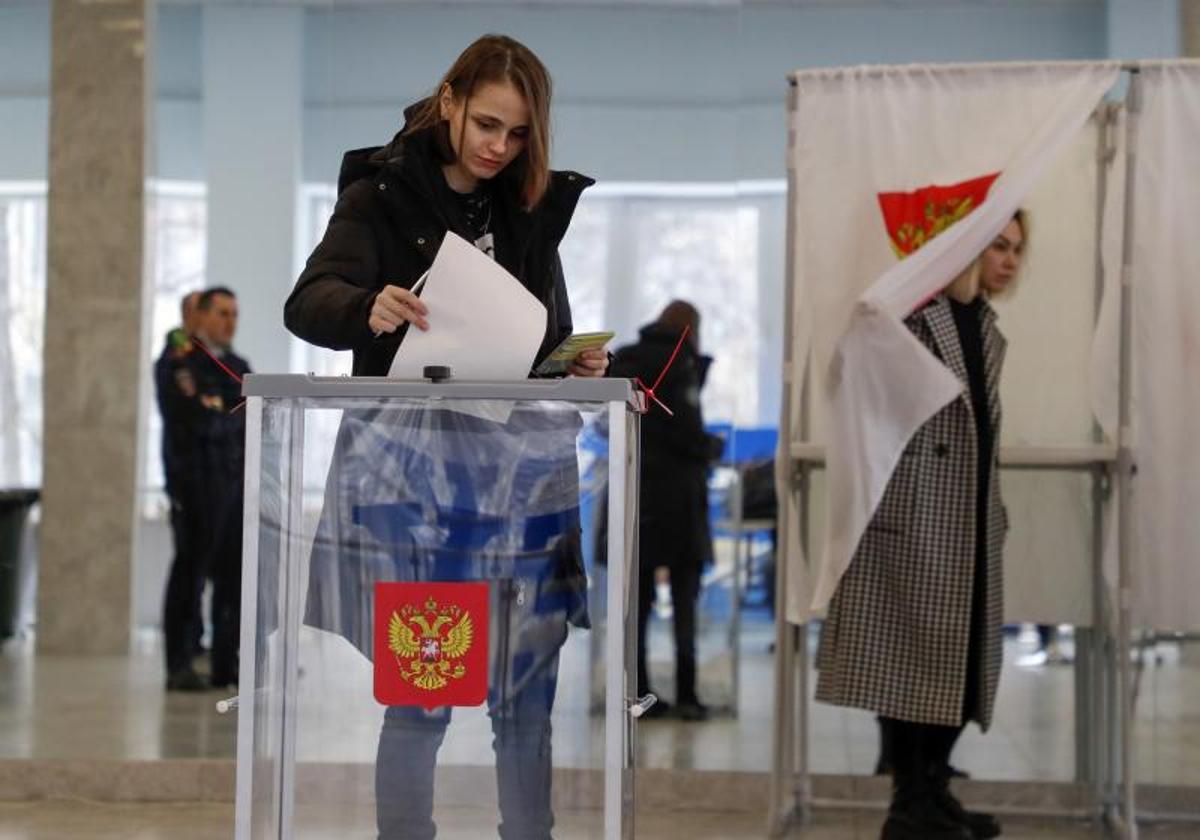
x=677, y=444
x=394, y=207
x=676, y=450
x=203, y=437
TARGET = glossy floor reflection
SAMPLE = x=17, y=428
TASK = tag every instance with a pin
x=115, y=708
x=90, y=821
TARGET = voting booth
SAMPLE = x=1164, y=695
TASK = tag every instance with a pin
x=1096, y=452
x=418, y=610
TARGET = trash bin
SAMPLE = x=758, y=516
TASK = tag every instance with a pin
x=14, y=508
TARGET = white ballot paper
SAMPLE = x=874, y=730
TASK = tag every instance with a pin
x=483, y=324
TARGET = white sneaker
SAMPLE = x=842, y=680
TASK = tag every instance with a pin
x=1032, y=660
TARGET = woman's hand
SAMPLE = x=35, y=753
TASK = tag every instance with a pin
x=592, y=362
x=395, y=306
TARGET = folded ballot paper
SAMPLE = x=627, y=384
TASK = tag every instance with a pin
x=483, y=324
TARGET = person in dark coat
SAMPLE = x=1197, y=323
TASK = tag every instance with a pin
x=914, y=629
x=472, y=159
x=219, y=371
x=175, y=390
x=197, y=379
x=483, y=175
x=676, y=454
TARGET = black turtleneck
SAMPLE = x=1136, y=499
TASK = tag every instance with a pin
x=968, y=319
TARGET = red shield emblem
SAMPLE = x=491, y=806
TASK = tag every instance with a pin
x=914, y=218
x=431, y=645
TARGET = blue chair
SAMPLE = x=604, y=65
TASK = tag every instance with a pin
x=745, y=448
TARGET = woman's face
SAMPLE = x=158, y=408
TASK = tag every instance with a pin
x=487, y=132
x=1002, y=259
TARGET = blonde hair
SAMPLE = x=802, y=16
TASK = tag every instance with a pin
x=966, y=286
x=498, y=59
x=1021, y=217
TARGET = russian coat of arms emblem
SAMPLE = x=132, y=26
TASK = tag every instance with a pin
x=431, y=644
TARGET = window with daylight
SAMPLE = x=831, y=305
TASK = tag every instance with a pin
x=631, y=249
x=705, y=252
x=176, y=219
x=316, y=202
x=175, y=216
x=22, y=313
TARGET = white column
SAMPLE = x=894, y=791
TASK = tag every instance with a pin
x=94, y=294
x=253, y=109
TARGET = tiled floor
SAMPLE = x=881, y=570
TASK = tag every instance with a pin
x=114, y=708
x=90, y=821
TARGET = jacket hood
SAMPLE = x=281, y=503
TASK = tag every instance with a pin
x=368, y=161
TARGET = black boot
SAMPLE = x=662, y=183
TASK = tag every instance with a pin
x=982, y=826
x=915, y=815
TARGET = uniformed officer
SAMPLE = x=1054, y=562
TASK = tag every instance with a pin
x=198, y=378
x=219, y=372
x=175, y=387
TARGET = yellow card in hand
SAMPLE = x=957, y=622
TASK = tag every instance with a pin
x=572, y=346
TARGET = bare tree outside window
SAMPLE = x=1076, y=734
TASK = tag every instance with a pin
x=22, y=319
x=705, y=251
x=175, y=216
x=584, y=254
x=625, y=256
x=176, y=219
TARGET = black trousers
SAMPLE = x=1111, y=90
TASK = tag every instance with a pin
x=685, y=590
x=206, y=524
x=190, y=529
x=920, y=752
x=225, y=570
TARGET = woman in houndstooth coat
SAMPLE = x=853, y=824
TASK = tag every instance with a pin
x=913, y=632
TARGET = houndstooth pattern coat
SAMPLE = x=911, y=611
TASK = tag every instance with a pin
x=896, y=635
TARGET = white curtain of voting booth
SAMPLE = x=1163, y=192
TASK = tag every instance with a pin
x=1091, y=386
x=901, y=129
x=1165, y=278
x=1046, y=396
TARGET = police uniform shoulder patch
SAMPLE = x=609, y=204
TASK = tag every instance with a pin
x=181, y=343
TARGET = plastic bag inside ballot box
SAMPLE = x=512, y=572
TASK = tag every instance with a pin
x=417, y=493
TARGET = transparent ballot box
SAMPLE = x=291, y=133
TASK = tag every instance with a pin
x=427, y=569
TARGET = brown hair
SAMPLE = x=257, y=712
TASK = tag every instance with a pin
x=498, y=58
x=679, y=314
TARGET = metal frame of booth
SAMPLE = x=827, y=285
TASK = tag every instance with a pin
x=1105, y=690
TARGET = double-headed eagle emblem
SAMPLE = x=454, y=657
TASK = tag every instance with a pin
x=428, y=643
x=914, y=218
